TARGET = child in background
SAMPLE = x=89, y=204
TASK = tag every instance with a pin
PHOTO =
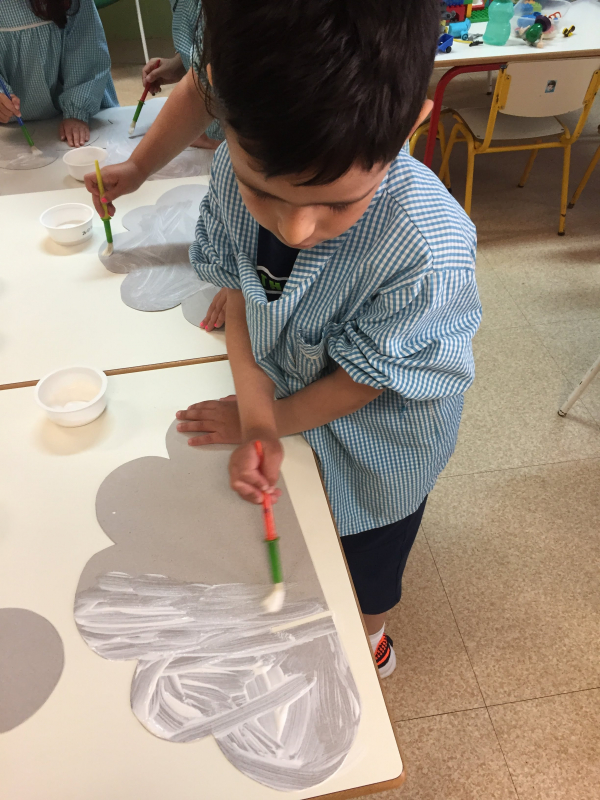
x=350, y=270
x=54, y=60
x=187, y=38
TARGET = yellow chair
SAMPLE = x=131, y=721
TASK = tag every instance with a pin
x=586, y=177
x=422, y=130
x=527, y=99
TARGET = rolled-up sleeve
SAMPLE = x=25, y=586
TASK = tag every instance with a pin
x=211, y=254
x=85, y=64
x=414, y=340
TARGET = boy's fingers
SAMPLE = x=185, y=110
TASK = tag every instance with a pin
x=206, y=438
x=200, y=426
x=247, y=492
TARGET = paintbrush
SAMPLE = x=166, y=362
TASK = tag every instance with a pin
x=34, y=149
x=106, y=217
x=274, y=601
x=139, y=105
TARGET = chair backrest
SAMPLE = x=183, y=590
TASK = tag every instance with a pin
x=547, y=88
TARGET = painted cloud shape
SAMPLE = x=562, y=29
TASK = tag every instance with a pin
x=153, y=252
x=275, y=690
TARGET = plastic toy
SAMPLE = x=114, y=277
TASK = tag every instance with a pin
x=497, y=31
x=568, y=31
x=445, y=43
x=533, y=34
x=459, y=30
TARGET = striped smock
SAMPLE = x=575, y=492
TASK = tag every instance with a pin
x=393, y=301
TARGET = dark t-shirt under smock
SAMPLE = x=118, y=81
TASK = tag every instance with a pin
x=274, y=262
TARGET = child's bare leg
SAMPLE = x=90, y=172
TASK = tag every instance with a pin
x=374, y=622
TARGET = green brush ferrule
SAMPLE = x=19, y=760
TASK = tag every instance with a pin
x=276, y=572
x=27, y=136
x=106, y=221
x=138, y=111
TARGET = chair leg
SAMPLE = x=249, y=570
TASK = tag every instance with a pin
x=528, y=166
x=444, y=173
x=577, y=392
x=564, y=194
x=416, y=136
x=470, y=169
x=442, y=138
x=585, y=178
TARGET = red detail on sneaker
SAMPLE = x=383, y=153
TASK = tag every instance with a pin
x=383, y=651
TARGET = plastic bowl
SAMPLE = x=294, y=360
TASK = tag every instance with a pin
x=72, y=396
x=69, y=223
x=80, y=161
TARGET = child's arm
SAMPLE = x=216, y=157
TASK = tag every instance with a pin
x=260, y=415
x=85, y=67
x=182, y=119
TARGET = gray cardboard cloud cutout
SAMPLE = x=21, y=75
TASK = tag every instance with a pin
x=153, y=253
x=180, y=591
x=31, y=663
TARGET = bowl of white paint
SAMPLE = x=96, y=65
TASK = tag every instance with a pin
x=69, y=223
x=72, y=396
x=80, y=160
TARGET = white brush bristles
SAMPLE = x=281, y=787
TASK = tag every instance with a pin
x=274, y=602
x=36, y=151
x=109, y=250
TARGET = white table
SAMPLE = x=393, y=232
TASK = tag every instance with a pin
x=60, y=306
x=85, y=742
x=56, y=175
x=585, y=41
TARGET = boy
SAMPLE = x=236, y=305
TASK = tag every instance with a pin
x=351, y=298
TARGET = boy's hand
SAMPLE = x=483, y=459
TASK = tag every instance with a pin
x=215, y=316
x=118, y=179
x=75, y=132
x=159, y=71
x=219, y=421
x=249, y=476
x=9, y=108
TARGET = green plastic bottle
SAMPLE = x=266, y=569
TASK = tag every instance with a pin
x=497, y=30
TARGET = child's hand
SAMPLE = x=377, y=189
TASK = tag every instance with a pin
x=75, y=132
x=219, y=421
x=9, y=108
x=215, y=316
x=159, y=71
x=118, y=179
x=249, y=477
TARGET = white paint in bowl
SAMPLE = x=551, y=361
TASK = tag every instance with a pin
x=69, y=223
x=72, y=396
x=80, y=161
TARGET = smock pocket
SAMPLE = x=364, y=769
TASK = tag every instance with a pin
x=312, y=361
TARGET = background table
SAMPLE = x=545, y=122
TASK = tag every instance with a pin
x=585, y=42
x=60, y=306
x=56, y=175
x=85, y=742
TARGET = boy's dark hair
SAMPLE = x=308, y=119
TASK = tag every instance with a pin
x=314, y=86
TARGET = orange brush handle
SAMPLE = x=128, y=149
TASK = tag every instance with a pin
x=270, y=532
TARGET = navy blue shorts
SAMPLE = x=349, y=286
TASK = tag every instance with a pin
x=376, y=560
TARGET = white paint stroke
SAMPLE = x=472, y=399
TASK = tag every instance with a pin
x=275, y=690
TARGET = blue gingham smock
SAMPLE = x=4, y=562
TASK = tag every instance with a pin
x=393, y=301
x=185, y=19
x=55, y=71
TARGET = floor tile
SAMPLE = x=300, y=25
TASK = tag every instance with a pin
x=452, y=757
x=575, y=347
x=499, y=309
x=433, y=675
x=510, y=417
x=552, y=746
x=518, y=553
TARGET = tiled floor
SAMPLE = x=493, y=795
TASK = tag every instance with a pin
x=498, y=634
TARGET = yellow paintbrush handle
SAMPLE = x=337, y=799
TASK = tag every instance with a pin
x=101, y=188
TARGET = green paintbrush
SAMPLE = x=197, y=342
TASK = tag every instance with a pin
x=106, y=217
x=274, y=601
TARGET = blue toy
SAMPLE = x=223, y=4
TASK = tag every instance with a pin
x=459, y=30
x=444, y=44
